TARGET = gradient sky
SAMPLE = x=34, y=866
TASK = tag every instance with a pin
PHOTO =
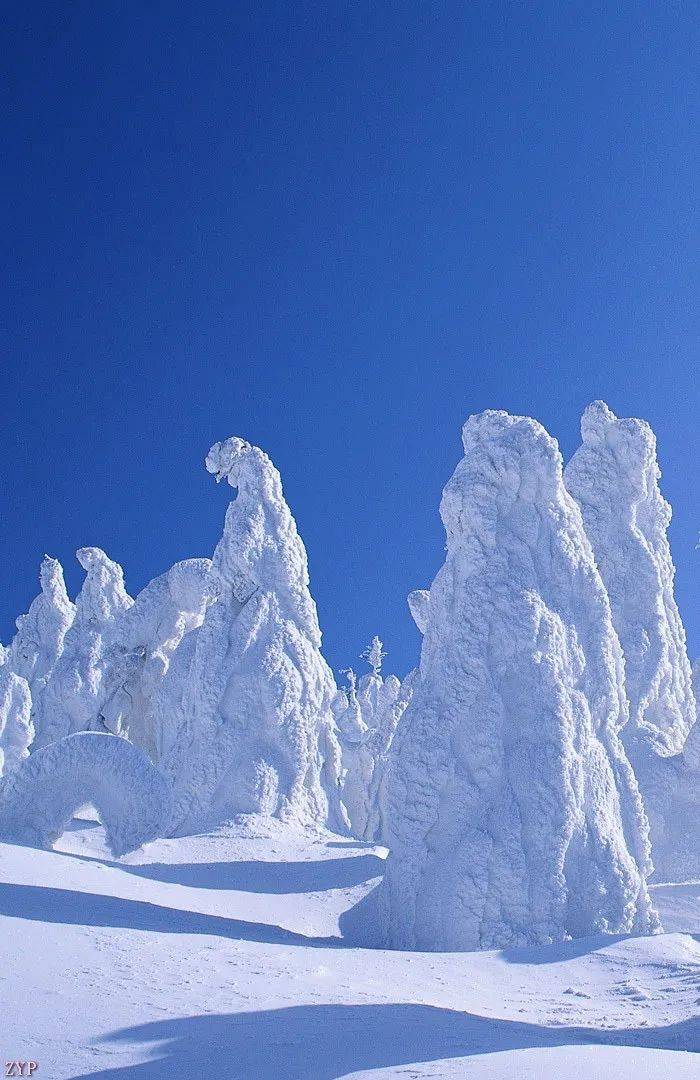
x=336, y=230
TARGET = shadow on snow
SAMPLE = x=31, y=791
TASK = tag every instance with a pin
x=324, y=1042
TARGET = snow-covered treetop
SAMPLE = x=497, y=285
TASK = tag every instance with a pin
x=102, y=595
x=260, y=548
x=374, y=654
x=506, y=458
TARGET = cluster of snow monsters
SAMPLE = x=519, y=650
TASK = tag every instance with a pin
x=524, y=777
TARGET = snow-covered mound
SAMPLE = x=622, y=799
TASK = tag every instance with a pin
x=614, y=477
x=38, y=642
x=513, y=814
x=221, y=955
x=38, y=799
x=16, y=730
x=74, y=694
x=257, y=732
x=144, y=640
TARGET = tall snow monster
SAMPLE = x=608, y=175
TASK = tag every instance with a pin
x=614, y=477
x=256, y=732
x=513, y=814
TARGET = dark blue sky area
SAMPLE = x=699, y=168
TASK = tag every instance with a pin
x=336, y=230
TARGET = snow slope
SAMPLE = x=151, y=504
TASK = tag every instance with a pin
x=220, y=955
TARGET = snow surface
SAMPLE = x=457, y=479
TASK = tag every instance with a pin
x=257, y=731
x=222, y=955
x=614, y=476
x=513, y=816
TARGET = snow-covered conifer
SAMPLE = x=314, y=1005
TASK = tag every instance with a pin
x=513, y=814
x=257, y=732
x=74, y=694
x=38, y=642
x=144, y=639
x=614, y=477
x=16, y=731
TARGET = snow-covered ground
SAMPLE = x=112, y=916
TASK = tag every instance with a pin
x=221, y=956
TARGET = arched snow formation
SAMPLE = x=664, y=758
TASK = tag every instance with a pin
x=129, y=793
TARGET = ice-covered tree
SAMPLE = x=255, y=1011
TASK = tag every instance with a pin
x=144, y=639
x=74, y=694
x=614, y=477
x=38, y=642
x=257, y=732
x=16, y=730
x=374, y=654
x=512, y=811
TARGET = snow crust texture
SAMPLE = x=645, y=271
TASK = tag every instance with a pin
x=257, y=732
x=513, y=815
x=39, y=798
x=614, y=477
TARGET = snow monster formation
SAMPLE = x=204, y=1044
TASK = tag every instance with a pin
x=257, y=732
x=39, y=798
x=513, y=814
x=614, y=477
x=76, y=690
x=146, y=636
x=16, y=730
x=38, y=643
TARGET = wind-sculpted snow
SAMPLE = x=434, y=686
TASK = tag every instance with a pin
x=513, y=815
x=419, y=604
x=74, y=694
x=39, y=798
x=38, y=643
x=257, y=732
x=144, y=639
x=16, y=730
x=614, y=477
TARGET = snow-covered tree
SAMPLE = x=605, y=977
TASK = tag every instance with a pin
x=16, y=730
x=512, y=811
x=74, y=694
x=257, y=732
x=39, y=798
x=38, y=642
x=374, y=654
x=144, y=639
x=614, y=477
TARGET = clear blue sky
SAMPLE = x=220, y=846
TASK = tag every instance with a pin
x=336, y=230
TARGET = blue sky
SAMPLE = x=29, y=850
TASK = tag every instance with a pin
x=336, y=230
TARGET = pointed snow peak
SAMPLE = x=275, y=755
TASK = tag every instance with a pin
x=52, y=582
x=103, y=594
x=509, y=462
x=596, y=418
